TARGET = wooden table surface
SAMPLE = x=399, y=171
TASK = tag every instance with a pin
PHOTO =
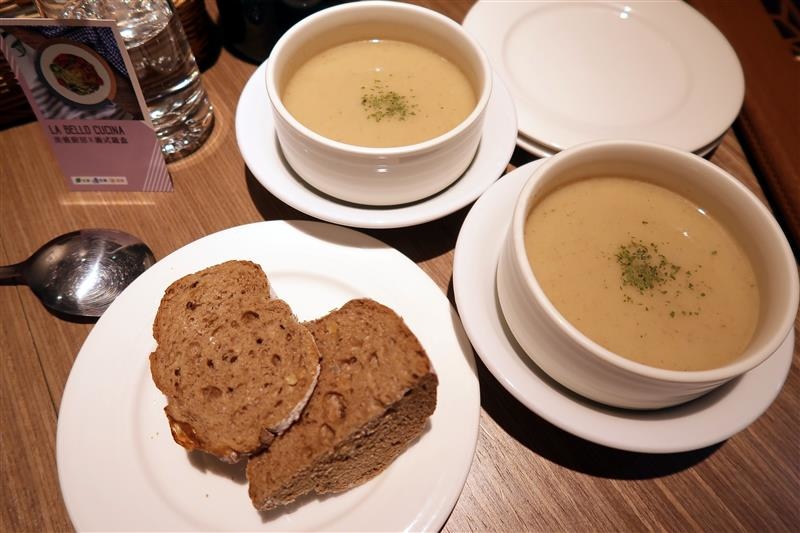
x=527, y=474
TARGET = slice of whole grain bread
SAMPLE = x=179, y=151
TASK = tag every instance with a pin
x=375, y=393
x=237, y=367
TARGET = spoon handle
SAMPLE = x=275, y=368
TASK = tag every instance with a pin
x=12, y=273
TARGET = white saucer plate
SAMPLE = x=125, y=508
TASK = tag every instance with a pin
x=259, y=146
x=119, y=467
x=702, y=422
x=583, y=71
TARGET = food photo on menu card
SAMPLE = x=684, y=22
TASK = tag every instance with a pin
x=80, y=83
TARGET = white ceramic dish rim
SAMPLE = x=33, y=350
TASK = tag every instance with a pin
x=541, y=150
x=395, y=151
x=723, y=373
x=705, y=421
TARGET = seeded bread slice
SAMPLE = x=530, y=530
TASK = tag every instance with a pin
x=237, y=367
x=376, y=390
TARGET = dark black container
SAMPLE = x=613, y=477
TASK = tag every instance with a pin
x=250, y=28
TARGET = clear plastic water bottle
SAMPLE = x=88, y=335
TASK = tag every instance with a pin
x=170, y=80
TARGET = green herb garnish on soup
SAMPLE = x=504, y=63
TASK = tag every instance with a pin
x=381, y=103
x=379, y=93
x=644, y=272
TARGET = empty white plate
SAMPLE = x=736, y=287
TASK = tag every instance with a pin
x=583, y=71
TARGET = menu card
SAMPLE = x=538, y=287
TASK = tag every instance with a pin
x=81, y=84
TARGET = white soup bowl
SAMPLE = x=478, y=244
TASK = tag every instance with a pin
x=368, y=175
x=586, y=367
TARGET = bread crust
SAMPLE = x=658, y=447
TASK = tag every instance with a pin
x=376, y=391
x=237, y=367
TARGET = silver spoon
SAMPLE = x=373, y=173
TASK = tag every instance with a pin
x=82, y=272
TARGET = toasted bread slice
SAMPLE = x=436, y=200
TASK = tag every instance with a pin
x=237, y=367
x=375, y=393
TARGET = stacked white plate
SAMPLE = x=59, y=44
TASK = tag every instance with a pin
x=584, y=71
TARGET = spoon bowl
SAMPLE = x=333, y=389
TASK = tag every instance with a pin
x=82, y=272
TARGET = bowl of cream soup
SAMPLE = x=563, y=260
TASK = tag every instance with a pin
x=641, y=276
x=378, y=103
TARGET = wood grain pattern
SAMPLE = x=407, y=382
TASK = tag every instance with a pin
x=31, y=500
x=527, y=474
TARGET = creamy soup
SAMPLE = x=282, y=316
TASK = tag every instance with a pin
x=643, y=272
x=379, y=93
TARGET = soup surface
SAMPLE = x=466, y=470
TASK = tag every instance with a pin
x=379, y=93
x=643, y=272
